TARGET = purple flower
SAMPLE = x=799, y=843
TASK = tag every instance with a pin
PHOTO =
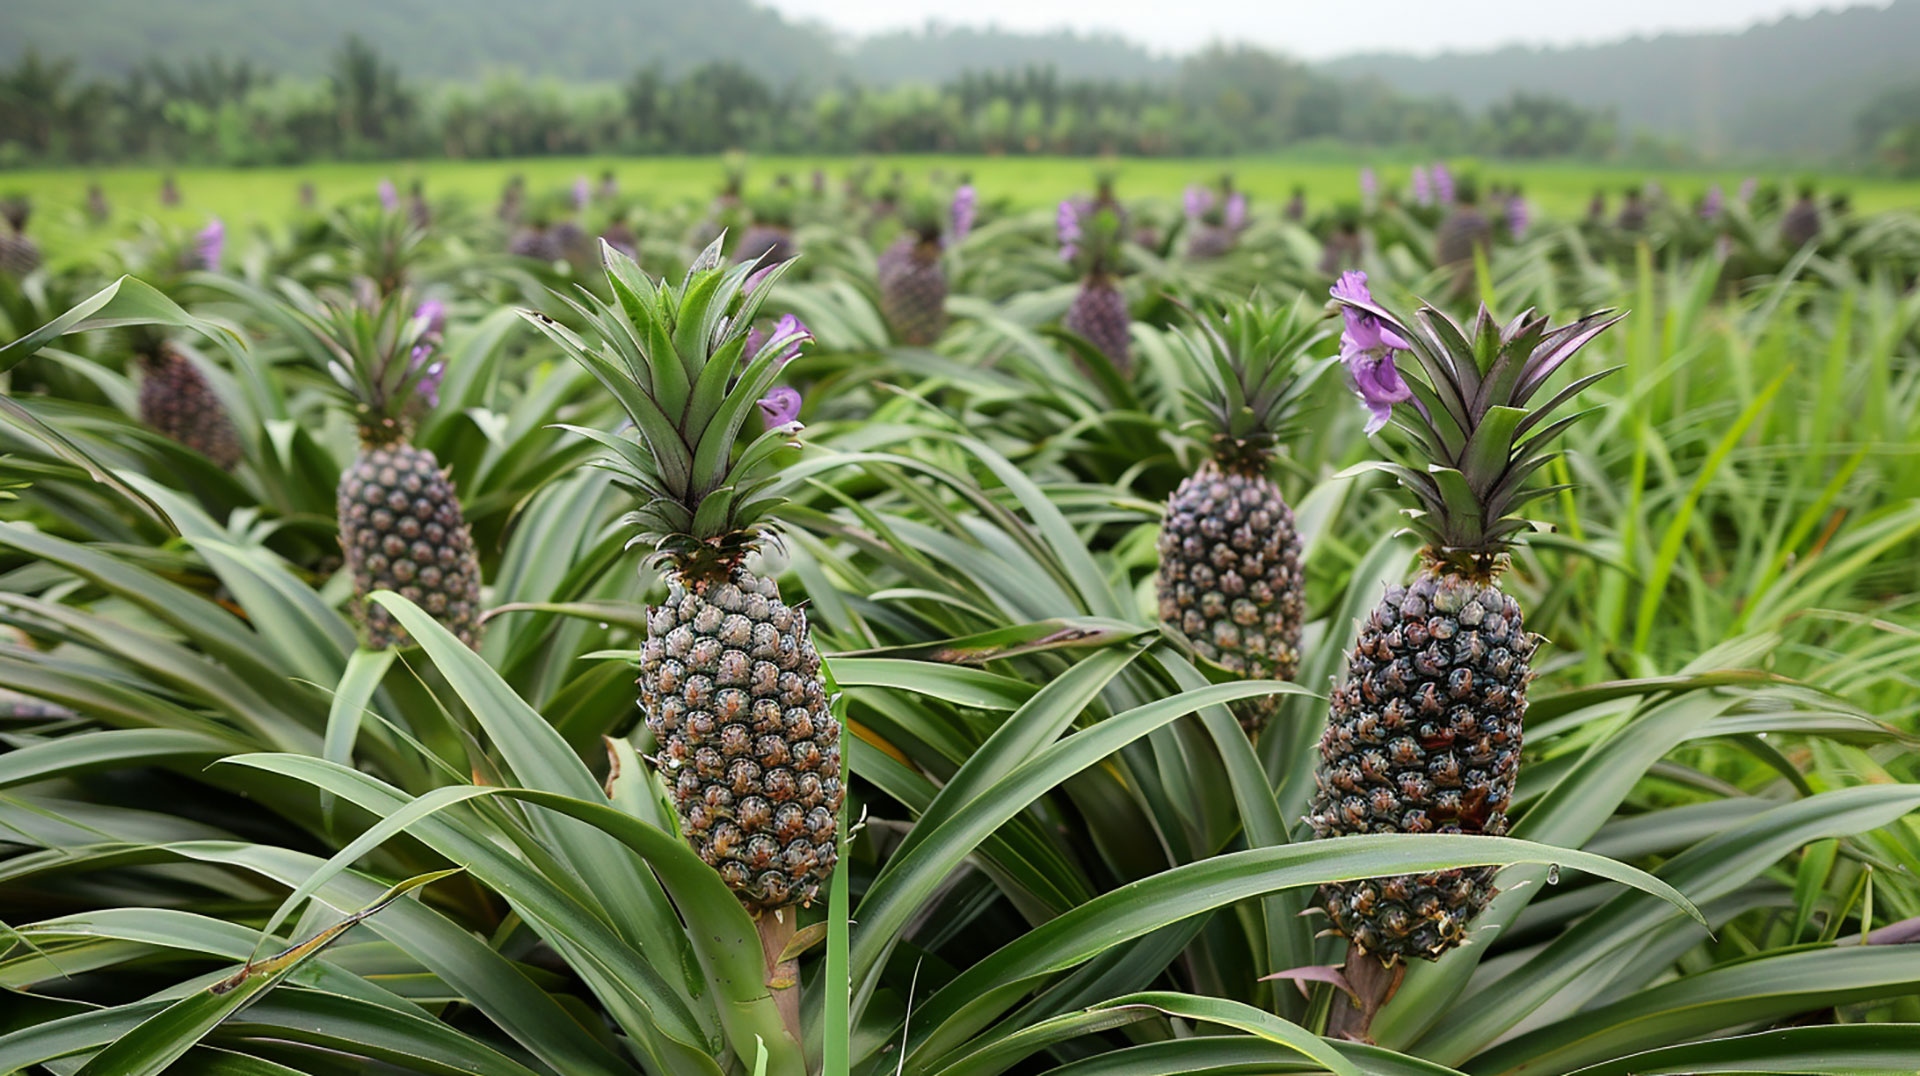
x=427, y=389
x=788, y=325
x=1369, y=185
x=435, y=313
x=760, y=274
x=960, y=214
x=581, y=191
x=210, y=242
x=1442, y=183
x=389, y=198
x=1367, y=347
x=1748, y=186
x=1518, y=216
x=1198, y=200
x=1067, y=223
x=1422, y=187
x=1236, y=214
x=1713, y=203
x=781, y=407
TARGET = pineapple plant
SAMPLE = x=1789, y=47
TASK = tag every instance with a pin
x=401, y=524
x=730, y=682
x=1230, y=579
x=1215, y=218
x=1089, y=234
x=913, y=283
x=19, y=255
x=1424, y=732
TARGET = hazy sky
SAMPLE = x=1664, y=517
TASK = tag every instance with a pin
x=1318, y=29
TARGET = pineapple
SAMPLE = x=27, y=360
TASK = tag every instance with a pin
x=913, y=283
x=1464, y=231
x=1800, y=224
x=1230, y=577
x=730, y=682
x=177, y=400
x=401, y=525
x=769, y=239
x=18, y=254
x=1424, y=732
x=1089, y=234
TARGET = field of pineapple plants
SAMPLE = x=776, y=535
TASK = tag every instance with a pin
x=1014, y=619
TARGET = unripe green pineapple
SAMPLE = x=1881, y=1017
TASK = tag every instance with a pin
x=176, y=399
x=401, y=524
x=1230, y=577
x=730, y=682
x=1424, y=733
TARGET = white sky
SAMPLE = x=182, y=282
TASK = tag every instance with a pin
x=1318, y=29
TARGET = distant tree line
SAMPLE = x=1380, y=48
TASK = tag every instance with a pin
x=1223, y=101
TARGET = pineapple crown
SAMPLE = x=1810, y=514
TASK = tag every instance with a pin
x=939, y=216
x=1468, y=411
x=384, y=246
x=1249, y=357
x=677, y=361
x=380, y=353
x=16, y=209
x=1089, y=233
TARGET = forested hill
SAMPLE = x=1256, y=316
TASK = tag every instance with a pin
x=1792, y=86
x=570, y=40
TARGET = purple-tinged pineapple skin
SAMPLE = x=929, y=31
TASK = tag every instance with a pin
x=1801, y=224
x=1424, y=737
x=1099, y=313
x=176, y=399
x=913, y=290
x=769, y=244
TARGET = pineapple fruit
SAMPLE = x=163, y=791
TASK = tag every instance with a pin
x=1089, y=233
x=730, y=682
x=1230, y=578
x=1464, y=231
x=913, y=283
x=19, y=255
x=401, y=524
x=1800, y=224
x=176, y=399
x=1424, y=732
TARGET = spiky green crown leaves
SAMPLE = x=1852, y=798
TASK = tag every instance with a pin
x=674, y=358
x=376, y=352
x=1473, y=419
x=1253, y=378
x=383, y=246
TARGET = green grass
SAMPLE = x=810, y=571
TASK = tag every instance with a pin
x=245, y=196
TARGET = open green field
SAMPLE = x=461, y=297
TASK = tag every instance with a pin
x=253, y=195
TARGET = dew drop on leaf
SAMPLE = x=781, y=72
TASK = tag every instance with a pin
x=1553, y=874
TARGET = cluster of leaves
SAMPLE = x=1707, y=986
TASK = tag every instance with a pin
x=235, y=843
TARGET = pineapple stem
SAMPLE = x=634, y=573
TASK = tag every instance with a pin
x=776, y=929
x=1373, y=984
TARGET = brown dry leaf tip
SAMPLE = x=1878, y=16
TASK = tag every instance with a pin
x=613, y=765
